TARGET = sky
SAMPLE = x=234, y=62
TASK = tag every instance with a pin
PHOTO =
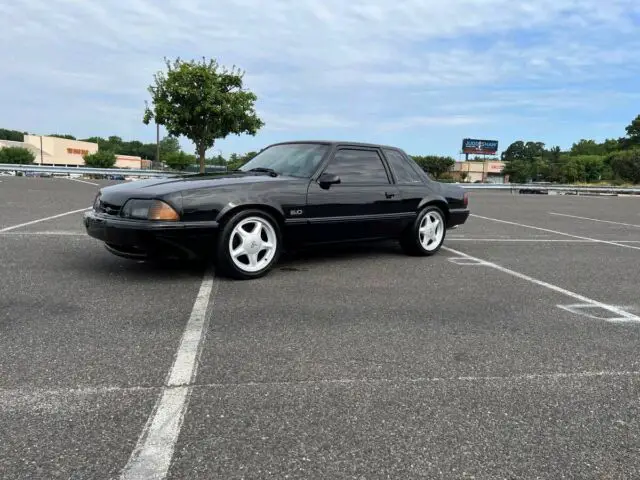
x=418, y=74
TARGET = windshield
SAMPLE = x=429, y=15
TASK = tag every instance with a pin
x=292, y=159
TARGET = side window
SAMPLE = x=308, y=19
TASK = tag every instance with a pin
x=358, y=166
x=402, y=170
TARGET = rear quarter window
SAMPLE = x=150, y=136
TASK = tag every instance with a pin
x=403, y=170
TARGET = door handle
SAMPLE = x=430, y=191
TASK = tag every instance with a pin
x=389, y=195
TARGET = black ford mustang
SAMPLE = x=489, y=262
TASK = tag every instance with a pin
x=290, y=194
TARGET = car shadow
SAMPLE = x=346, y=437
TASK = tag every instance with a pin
x=302, y=259
x=108, y=266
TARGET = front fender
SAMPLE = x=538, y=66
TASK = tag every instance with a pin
x=232, y=207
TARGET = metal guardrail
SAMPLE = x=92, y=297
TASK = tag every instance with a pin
x=131, y=172
x=8, y=167
x=532, y=187
x=527, y=187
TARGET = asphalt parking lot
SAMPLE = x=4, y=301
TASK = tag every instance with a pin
x=513, y=353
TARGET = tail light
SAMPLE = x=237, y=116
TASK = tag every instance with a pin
x=465, y=199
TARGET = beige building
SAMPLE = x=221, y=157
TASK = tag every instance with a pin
x=130, y=161
x=489, y=171
x=59, y=151
x=54, y=151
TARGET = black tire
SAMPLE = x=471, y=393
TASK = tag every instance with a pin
x=224, y=261
x=410, y=240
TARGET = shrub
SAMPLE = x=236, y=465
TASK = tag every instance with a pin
x=625, y=165
x=17, y=155
x=100, y=159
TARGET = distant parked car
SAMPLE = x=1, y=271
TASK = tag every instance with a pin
x=291, y=194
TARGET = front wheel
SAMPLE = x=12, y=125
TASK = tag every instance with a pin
x=425, y=235
x=249, y=245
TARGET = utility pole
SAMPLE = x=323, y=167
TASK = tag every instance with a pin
x=157, y=142
x=41, y=154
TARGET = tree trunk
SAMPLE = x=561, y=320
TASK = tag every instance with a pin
x=201, y=151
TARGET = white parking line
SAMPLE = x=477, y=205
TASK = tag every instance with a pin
x=462, y=238
x=83, y=181
x=152, y=456
x=621, y=315
x=595, y=219
x=403, y=380
x=52, y=233
x=7, y=229
x=555, y=231
x=37, y=397
x=532, y=240
x=539, y=240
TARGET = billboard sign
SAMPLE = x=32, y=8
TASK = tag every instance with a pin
x=479, y=147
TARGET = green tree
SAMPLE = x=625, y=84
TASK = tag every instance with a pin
x=248, y=156
x=594, y=167
x=610, y=145
x=13, y=135
x=179, y=160
x=236, y=161
x=527, y=151
x=67, y=136
x=529, y=160
x=625, y=165
x=17, y=155
x=573, y=170
x=202, y=102
x=169, y=145
x=434, y=164
x=217, y=160
x=513, y=152
x=100, y=159
x=587, y=147
x=519, y=171
x=116, y=144
x=633, y=131
x=591, y=147
x=553, y=158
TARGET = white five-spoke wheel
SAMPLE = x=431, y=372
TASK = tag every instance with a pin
x=426, y=234
x=252, y=244
x=249, y=244
x=431, y=230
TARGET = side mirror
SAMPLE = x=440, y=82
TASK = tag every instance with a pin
x=328, y=179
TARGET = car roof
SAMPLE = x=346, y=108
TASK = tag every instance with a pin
x=341, y=142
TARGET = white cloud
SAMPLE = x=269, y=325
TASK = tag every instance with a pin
x=294, y=122
x=436, y=121
x=382, y=64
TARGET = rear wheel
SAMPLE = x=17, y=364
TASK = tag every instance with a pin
x=249, y=245
x=426, y=234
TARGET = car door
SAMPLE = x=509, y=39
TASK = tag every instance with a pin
x=407, y=178
x=364, y=204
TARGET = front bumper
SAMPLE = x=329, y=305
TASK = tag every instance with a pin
x=144, y=238
x=457, y=216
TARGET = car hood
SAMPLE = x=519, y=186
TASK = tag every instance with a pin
x=155, y=187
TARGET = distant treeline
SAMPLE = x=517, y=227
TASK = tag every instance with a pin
x=613, y=160
x=588, y=161
x=113, y=144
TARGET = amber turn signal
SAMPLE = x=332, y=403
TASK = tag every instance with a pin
x=161, y=211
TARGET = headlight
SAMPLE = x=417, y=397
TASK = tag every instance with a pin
x=96, y=202
x=149, y=210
